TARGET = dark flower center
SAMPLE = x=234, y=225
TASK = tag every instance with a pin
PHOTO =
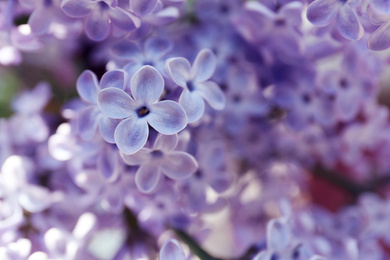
x=224, y=9
x=280, y=22
x=343, y=83
x=47, y=3
x=190, y=86
x=148, y=62
x=306, y=98
x=157, y=154
x=142, y=111
x=103, y=5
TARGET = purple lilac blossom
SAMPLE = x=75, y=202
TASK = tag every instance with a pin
x=161, y=159
x=166, y=117
x=100, y=16
x=196, y=84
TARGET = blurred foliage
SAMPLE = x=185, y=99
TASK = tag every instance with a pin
x=9, y=86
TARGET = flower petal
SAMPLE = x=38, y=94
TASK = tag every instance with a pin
x=142, y=7
x=192, y=104
x=278, y=235
x=382, y=6
x=166, y=142
x=137, y=158
x=40, y=20
x=211, y=92
x=114, y=78
x=87, y=86
x=107, y=128
x=88, y=122
x=131, y=135
x=321, y=12
x=97, y=26
x=178, y=69
x=204, y=66
x=348, y=24
x=178, y=165
x=172, y=250
x=115, y=103
x=167, y=117
x=76, y=8
x=108, y=164
x=147, y=84
x=35, y=198
x=380, y=39
x=124, y=20
x=147, y=177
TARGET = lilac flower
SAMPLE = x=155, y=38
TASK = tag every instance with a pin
x=67, y=245
x=17, y=193
x=152, y=53
x=323, y=12
x=172, y=250
x=166, y=117
x=91, y=118
x=196, y=84
x=100, y=16
x=161, y=159
x=211, y=173
x=29, y=106
x=44, y=13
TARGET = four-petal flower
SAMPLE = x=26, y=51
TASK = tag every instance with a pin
x=166, y=117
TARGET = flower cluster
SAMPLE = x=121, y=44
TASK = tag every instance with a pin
x=194, y=129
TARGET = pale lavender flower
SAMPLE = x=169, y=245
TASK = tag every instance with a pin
x=161, y=159
x=90, y=118
x=323, y=12
x=152, y=52
x=100, y=16
x=196, y=84
x=166, y=117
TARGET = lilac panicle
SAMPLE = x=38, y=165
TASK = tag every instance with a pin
x=141, y=110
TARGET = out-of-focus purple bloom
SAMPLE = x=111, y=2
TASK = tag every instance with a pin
x=323, y=12
x=161, y=159
x=29, y=106
x=211, y=173
x=196, y=84
x=100, y=16
x=152, y=53
x=166, y=117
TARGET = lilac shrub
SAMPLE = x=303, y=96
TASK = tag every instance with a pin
x=194, y=129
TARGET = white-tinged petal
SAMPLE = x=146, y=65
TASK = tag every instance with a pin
x=172, y=250
x=178, y=69
x=167, y=117
x=178, y=165
x=166, y=142
x=87, y=86
x=192, y=104
x=116, y=103
x=131, y=135
x=211, y=92
x=147, y=84
x=204, y=66
x=147, y=177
